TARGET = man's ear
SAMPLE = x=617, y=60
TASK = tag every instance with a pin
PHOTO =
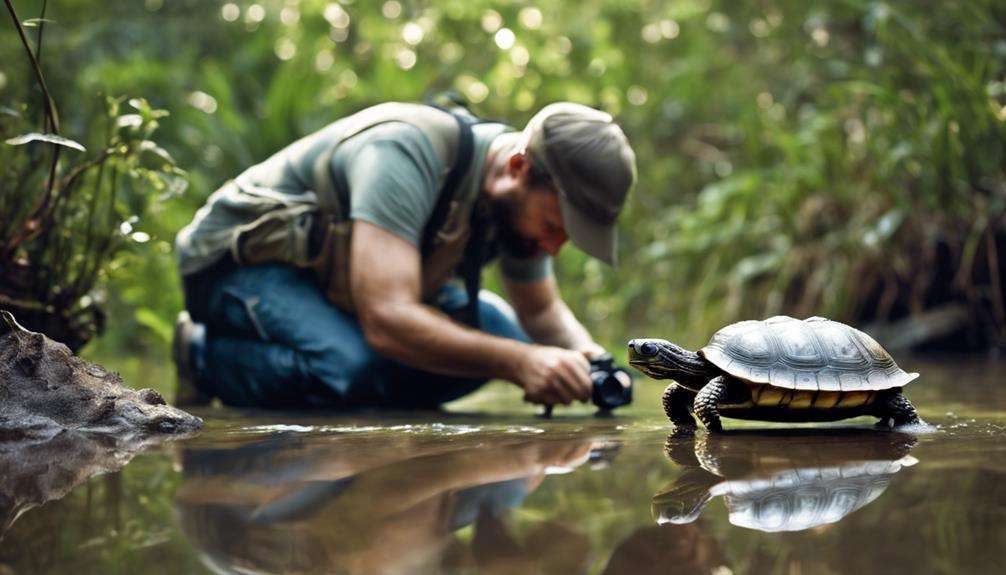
x=518, y=165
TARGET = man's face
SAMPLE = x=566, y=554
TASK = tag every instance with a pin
x=529, y=220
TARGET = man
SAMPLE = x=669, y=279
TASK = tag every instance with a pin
x=323, y=276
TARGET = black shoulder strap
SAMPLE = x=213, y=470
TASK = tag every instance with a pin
x=471, y=265
x=462, y=161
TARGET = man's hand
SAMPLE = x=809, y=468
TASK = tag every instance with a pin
x=550, y=375
x=591, y=350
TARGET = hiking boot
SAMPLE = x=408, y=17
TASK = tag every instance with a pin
x=187, y=333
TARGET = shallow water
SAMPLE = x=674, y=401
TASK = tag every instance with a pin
x=492, y=488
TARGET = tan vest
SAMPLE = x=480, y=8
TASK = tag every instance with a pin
x=284, y=234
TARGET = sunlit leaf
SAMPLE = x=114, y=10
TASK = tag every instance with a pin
x=152, y=148
x=141, y=105
x=34, y=22
x=50, y=138
x=129, y=121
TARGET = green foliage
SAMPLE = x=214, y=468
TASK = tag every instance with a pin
x=843, y=159
x=67, y=217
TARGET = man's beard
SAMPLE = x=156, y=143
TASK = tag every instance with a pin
x=506, y=212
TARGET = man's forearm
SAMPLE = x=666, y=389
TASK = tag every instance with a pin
x=425, y=338
x=556, y=325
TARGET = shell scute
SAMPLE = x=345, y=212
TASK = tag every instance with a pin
x=852, y=382
x=755, y=345
x=878, y=353
x=799, y=345
x=828, y=381
x=841, y=347
x=782, y=377
x=806, y=380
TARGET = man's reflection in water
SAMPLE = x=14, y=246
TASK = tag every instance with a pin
x=359, y=505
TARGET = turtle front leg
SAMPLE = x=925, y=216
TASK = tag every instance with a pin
x=677, y=400
x=707, y=402
x=895, y=409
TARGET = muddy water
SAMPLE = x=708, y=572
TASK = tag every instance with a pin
x=491, y=488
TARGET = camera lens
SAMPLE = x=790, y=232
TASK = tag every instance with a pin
x=609, y=391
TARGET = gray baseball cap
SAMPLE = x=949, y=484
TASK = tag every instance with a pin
x=593, y=166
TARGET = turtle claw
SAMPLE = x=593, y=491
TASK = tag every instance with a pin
x=885, y=423
x=682, y=432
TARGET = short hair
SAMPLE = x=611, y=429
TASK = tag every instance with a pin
x=538, y=176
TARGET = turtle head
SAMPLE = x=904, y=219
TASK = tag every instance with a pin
x=661, y=359
x=647, y=356
x=683, y=501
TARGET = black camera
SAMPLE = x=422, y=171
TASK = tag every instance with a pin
x=612, y=384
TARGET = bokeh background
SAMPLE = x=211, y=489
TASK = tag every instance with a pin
x=843, y=159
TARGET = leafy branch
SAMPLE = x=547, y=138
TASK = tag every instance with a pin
x=55, y=248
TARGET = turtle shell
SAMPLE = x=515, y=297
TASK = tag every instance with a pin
x=814, y=354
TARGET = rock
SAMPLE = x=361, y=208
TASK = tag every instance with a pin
x=45, y=389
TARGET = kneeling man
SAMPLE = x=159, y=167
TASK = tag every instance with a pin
x=344, y=270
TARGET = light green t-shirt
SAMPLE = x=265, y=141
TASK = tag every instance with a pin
x=391, y=172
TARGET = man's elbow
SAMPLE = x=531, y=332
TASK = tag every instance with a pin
x=379, y=330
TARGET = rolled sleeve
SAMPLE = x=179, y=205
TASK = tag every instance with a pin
x=526, y=270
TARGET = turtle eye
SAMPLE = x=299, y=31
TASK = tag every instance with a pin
x=647, y=348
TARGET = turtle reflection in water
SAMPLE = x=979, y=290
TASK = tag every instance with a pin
x=780, y=369
x=782, y=481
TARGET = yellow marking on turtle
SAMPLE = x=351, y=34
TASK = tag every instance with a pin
x=769, y=396
x=854, y=398
x=827, y=399
x=802, y=399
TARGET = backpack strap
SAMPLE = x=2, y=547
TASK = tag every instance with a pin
x=470, y=268
x=462, y=163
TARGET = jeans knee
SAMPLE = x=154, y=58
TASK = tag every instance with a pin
x=497, y=317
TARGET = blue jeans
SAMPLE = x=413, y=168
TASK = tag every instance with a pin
x=273, y=340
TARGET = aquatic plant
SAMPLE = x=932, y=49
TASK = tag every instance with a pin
x=66, y=213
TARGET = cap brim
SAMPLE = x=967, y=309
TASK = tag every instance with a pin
x=596, y=239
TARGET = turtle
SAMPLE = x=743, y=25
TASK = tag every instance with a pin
x=778, y=369
x=781, y=480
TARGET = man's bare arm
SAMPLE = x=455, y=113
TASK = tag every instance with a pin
x=385, y=279
x=546, y=317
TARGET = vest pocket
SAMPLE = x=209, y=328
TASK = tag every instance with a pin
x=278, y=236
x=331, y=264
